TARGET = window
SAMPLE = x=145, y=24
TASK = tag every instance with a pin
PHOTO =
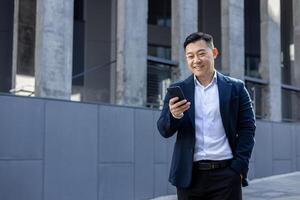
x=160, y=65
x=158, y=79
x=159, y=51
x=160, y=13
x=256, y=92
x=290, y=103
x=252, y=38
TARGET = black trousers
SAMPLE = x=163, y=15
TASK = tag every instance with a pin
x=215, y=184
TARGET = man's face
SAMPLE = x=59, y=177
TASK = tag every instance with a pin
x=200, y=59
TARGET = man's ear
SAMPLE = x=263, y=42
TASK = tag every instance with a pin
x=215, y=52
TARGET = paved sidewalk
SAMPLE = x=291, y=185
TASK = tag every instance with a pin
x=278, y=187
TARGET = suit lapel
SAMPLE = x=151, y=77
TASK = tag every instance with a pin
x=224, y=87
x=189, y=88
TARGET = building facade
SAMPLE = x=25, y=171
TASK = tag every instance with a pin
x=128, y=52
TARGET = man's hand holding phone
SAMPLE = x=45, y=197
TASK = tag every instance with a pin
x=177, y=103
x=178, y=107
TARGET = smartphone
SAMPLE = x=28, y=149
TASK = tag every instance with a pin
x=176, y=92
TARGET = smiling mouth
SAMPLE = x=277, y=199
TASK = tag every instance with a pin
x=198, y=66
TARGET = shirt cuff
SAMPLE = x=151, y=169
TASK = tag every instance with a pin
x=178, y=117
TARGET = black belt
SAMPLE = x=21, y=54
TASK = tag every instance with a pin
x=211, y=164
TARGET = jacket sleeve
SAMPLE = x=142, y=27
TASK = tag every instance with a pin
x=245, y=134
x=167, y=124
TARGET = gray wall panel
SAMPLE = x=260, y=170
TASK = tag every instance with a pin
x=294, y=147
x=252, y=159
x=170, y=144
x=100, y=152
x=263, y=149
x=22, y=128
x=163, y=155
x=251, y=172
x=21, y=180
x=116, y=182
x=160, y=144
x=297, y=132
x=70, y=151
x=282, y=166
x=161, y=177
x=171, y=188
x=116, y=134
x=298, y=163
x=282, y=141
x=297, y=146
x=143, y=154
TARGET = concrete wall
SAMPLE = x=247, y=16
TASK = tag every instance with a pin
x=6, y=42
x=51, y=149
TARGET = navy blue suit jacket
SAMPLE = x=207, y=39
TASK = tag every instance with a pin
x=238, y=121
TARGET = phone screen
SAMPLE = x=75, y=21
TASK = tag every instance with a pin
x=176, y=92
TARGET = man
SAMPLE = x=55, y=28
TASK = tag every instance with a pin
x=215, y=128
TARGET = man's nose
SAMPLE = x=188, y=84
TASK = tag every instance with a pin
x=197, y=59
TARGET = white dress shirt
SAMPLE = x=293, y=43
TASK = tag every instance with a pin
x=211, y=140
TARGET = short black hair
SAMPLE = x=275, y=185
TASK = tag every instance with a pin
x=199, y=36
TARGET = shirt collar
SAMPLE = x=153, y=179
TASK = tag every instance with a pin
x=214, y=80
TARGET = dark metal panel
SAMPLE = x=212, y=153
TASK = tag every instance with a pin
x=116, y=136
x=143, y=154
x=116, y=182
x=21, y=180
x=6, y=7
x=6, y=43
x=70, y=151
x=22, y=128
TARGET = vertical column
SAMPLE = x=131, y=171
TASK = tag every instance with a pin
x=270, y=56
x=54, y=48
x=184, y=22
x=233, y=51
x=296, y=49
x=131, y=68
